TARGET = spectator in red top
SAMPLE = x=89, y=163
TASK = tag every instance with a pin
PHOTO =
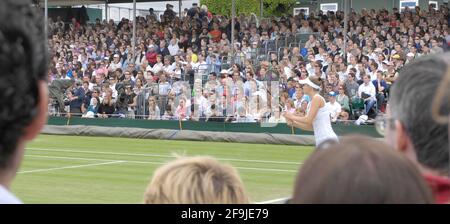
x=215, y=34
x=75, y=24
x=151, y=55
x=410, y=127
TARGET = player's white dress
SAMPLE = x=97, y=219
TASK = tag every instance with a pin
x=322, y=124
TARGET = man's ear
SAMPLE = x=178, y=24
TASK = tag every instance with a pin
x=38, y=122
x=402, y=140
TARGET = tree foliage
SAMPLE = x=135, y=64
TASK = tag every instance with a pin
x=271, y=7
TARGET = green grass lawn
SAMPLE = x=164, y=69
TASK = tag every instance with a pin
x=75, y=169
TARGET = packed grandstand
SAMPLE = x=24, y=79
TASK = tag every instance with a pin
x=186, y=68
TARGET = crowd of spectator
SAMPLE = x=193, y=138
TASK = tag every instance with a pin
x=411, y=166
x=186, y=67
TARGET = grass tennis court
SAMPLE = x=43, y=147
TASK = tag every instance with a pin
x=75, y=169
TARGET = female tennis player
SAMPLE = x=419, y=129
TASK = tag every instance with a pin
x=317, y=117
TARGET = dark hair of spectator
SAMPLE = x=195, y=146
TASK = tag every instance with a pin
x=411, y=103
x=317, y=80
x=23, y=57
x=360, y=170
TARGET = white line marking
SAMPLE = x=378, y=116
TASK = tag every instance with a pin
x=272, y=201
x=70, y=167
x=156, y=155
x=158, y=163
x=90, y=159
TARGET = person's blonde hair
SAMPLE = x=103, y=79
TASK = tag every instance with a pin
x=196, y=180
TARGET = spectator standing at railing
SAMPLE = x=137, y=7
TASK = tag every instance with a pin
x=87, y=97
x=164, y=88
x=153, y=110
x=76, y=98
x=181, y=111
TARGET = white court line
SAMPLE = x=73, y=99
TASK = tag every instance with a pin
x=70, y=167
x=156, y=155
x=90, y=159
x=272, y=201
x=158, y=163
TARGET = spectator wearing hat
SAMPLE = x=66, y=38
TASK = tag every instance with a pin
x=193, y=10
x=409, y=57
x=396, y=56
x=169, y=14
x=333, y=106
x=115, y=64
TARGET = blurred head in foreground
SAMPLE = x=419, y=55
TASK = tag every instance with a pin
x=196, y=180
x=23, y=86
x=359, y=170
x=409, y=126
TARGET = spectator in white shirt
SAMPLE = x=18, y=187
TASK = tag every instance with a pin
x=168, y=66
x=115, y=64
x=173, y=47
x=159, y=66
x=203, y=66
x=333, y=106
x=367, y=92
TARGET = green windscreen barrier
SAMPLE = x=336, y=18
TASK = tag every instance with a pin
x=280, y=128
